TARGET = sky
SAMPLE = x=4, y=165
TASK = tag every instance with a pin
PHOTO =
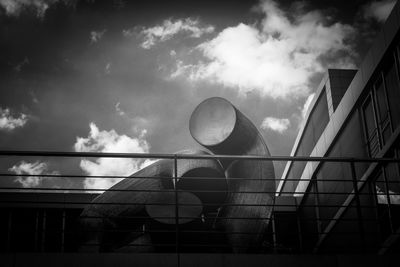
x=125, y=76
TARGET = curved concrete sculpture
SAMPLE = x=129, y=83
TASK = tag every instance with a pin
x=206, y=180
x=119, y=208
x=217, y=125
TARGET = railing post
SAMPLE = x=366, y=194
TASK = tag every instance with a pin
x=42, y=246
x=37, y=231
x=373, y=193
x=63, y=231
x=358, y=203
x=387, y=193
x=9, y=226
x=176, y=209
x=317, y=206
x=274, y=238
x=274, y=234
x=299, y=231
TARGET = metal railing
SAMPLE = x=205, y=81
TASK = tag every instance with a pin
x=358, y=210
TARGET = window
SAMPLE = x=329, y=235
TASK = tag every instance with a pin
x=371, y=130
x=393, y=92
x=382, y=111
x=381, y=108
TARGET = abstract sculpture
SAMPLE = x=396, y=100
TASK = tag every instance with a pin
x=219, y=126
x=208, y=192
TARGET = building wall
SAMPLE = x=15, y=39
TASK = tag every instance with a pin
x=369, y=129
x=41, y=222
x=330, y=91
x=364, y=124
x=315, y=125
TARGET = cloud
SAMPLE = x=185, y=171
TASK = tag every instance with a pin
x=168, y=29
x=307, y=104
x=34, y=98
x=276, y=57
x=16, y=7
x=119, y=110
x=107, y=69
x=110, y=141
x=35, y=168
x=8, y=122
x=275, y=124
x=378, y=10
x=141, y=126
x=183, y=69
x=96, y=36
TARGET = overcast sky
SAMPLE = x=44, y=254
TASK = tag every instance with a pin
x=125, y=76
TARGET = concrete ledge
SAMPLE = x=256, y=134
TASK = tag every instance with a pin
x=193, y=260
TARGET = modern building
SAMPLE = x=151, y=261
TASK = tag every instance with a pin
x=353, y=205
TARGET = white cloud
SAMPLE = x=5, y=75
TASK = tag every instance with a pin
x=119, y=110
x=107, y=69
x=128, y=33
x=307, y=104
x=183, y=69
x=276, y=57
x=9, y=122
x=35, y=168
x=168, y=29
x=15, y=7
x=378, y=10
x=96, y=36
x=275, y=124
x=110, y=141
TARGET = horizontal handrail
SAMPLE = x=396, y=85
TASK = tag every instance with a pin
x=188, y=156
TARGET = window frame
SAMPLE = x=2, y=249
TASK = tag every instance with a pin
x=367, y=139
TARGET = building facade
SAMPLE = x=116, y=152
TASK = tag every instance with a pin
x=354, y=114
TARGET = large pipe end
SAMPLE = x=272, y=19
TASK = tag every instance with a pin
x=213, y=121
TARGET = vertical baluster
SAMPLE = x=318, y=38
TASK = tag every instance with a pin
x=176, y=209
x=37, y=231
x=9, y=230
x=317, y=207
x=274, y=237
x=358, y=203
x=63, y=231
x=42, y=247
x=299, y=233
